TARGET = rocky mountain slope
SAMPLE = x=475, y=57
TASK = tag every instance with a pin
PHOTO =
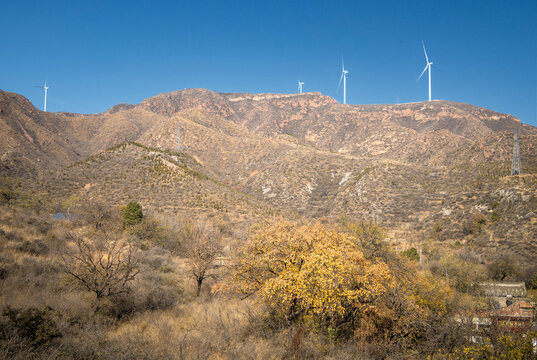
x=423, y=170
x=31, y=139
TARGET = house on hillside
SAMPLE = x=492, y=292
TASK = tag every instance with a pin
x=516, y=318
x=504, y=293
x=512, y=312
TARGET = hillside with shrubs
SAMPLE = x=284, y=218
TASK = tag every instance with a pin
x=113, y=283
x=276, y=226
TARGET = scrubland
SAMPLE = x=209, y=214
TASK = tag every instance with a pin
x=93, y=287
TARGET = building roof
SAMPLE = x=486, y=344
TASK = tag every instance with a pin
x=520, y=310
x=503, y=289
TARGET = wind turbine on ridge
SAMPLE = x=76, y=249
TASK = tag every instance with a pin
x=300, y=83
x=428, y=66
x=344, y=78
x=45, y=87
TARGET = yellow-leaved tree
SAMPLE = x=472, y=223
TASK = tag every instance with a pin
x=348, y=282
x=310, y=270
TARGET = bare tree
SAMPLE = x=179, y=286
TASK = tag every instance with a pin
x=203, y=246
x=104, y=266
x=101, y=216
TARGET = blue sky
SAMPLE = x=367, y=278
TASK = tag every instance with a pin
x=95, y=54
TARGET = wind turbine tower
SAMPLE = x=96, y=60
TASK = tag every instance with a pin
x=516, y=166
x=428, y=66
x=300, y=83
x=45, y=87
x=344, y=78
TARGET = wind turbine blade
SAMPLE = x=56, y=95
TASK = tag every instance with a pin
x=426, y=58
x=423, y=72
x=341, y=78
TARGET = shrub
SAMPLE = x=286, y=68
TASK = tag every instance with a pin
x=370, y=238
x=462, y=271
x=503, y=268
x=504, y=346
x=9, y=189
x=530, y=278
x=34, y=247
x=478, y=220
x=494, y=217
x=160, y=297
x=151, y=232
x=42, y=227
x=474, y=225
x=437, y=227
x=467, y=228
x=37, y=326
x=4, y=272
x=149, y=296
x=412, y=254
x=132, y=214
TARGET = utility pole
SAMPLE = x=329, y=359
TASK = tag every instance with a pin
x=516, y=166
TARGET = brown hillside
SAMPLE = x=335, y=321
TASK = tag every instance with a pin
x=162, y=181
x=410, y=167
x=31, y=139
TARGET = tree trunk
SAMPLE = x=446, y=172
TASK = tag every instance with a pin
x=200, y=280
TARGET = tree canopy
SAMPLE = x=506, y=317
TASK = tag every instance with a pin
x=314, y=272
x=310, y=269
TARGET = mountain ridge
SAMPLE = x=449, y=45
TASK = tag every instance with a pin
x=409, y=167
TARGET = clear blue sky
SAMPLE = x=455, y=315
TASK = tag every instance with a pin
x=95, y=54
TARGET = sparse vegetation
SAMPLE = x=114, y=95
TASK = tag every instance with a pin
x=129, y=283
x=381, y=304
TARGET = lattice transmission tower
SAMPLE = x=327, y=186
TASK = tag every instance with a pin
x=516, y=166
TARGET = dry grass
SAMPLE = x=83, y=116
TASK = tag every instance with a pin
x=159, y=318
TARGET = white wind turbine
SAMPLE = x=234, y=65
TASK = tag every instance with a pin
x=45, y=87
x=428, y=66
x=344, y=78
x=300, y=83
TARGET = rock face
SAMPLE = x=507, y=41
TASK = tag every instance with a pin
x=407, y=166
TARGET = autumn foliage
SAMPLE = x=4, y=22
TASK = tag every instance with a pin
x=321, y=275
x=310, y=270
